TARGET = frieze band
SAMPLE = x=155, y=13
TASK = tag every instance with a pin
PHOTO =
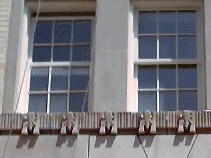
x=106, y=123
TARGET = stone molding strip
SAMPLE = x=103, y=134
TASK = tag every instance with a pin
x=107, y=123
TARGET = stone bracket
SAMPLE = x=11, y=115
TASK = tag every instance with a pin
x=186, y=122
x=69, y=123
x=30, y=123
x=147, y=122
x=108, y=122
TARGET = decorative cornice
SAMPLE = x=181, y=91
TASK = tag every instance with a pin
x=184, y=122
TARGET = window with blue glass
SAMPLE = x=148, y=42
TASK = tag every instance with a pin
x=168, y=81
x=60, y=66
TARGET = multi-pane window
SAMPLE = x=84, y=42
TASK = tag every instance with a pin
x=168, y=61
x=60, y=66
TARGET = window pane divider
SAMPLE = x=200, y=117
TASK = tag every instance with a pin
x=169, y=89
x=61, y=18
x=62, y=64
x=166, y=34
x=61, y=44
x=166, y=61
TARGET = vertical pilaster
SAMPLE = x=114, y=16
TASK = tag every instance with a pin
x=111, y=55
x=12, y=70
x=207, y=21
x=5, y=8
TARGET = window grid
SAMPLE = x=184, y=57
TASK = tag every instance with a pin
x=62, y=64
x=158, y=90
x=176, y=62
x=176, y=34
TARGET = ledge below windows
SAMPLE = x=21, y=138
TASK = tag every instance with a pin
x=182, y=122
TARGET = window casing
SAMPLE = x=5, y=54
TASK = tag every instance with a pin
x=169, y=60
x=60, y=64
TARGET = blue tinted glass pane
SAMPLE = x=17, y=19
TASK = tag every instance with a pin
x=168, y=101
x=147, y=77
x=78, y=102
x=187, y=76
x=81, y=53
x=167, y=22
x=58, y=103
x=147, y=22
x=79, y=78
x=188, y=100
x=38, y=103
x=61, y=53
x=39, y=79
x=186, y=22
x=59, y=78
x=147, y=101
x=187, y=47
x=41, y=53
x=167, y=47
x=82, y=31
x=43, y=32
x=147, y=47
x=167, y=77
x=63, y=32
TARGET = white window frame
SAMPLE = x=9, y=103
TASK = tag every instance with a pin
x=200, y=61
x=60, y=64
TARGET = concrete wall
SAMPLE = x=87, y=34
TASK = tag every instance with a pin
x=85, y=146
x=5, y=6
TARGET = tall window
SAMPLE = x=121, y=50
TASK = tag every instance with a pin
x=60, y=66
x=167, y=71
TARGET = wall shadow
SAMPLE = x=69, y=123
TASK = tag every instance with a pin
x=145, y=140
x=181, y=138
x=62, y=139
x=109, y=140
x=23, y=140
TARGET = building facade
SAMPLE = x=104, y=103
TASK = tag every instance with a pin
x=105, y=78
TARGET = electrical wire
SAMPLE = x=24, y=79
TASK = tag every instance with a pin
x=142, y=146
x=22, y=82
x=191, y=148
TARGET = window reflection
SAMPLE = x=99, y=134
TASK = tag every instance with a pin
x=147, y=101
x=147, y=77
x=63, y=31
x=39, y=79
x=58, y=103
x=147, y=22
x=38, y=103
x=43, y=33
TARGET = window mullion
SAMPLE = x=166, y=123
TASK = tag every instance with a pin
x=157, y=66
x=71, y=52
x=49, y=87
x=158, y=90
x=50, y=70
x=177, y=87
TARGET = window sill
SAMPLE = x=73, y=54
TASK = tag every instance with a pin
x=165, y=61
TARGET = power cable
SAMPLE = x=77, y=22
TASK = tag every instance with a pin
x=142, y=146
x=191, y=148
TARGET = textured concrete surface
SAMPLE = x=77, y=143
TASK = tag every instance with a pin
x=162, y=146
x=85, y=146
x=45, y=146
x=111, y=59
